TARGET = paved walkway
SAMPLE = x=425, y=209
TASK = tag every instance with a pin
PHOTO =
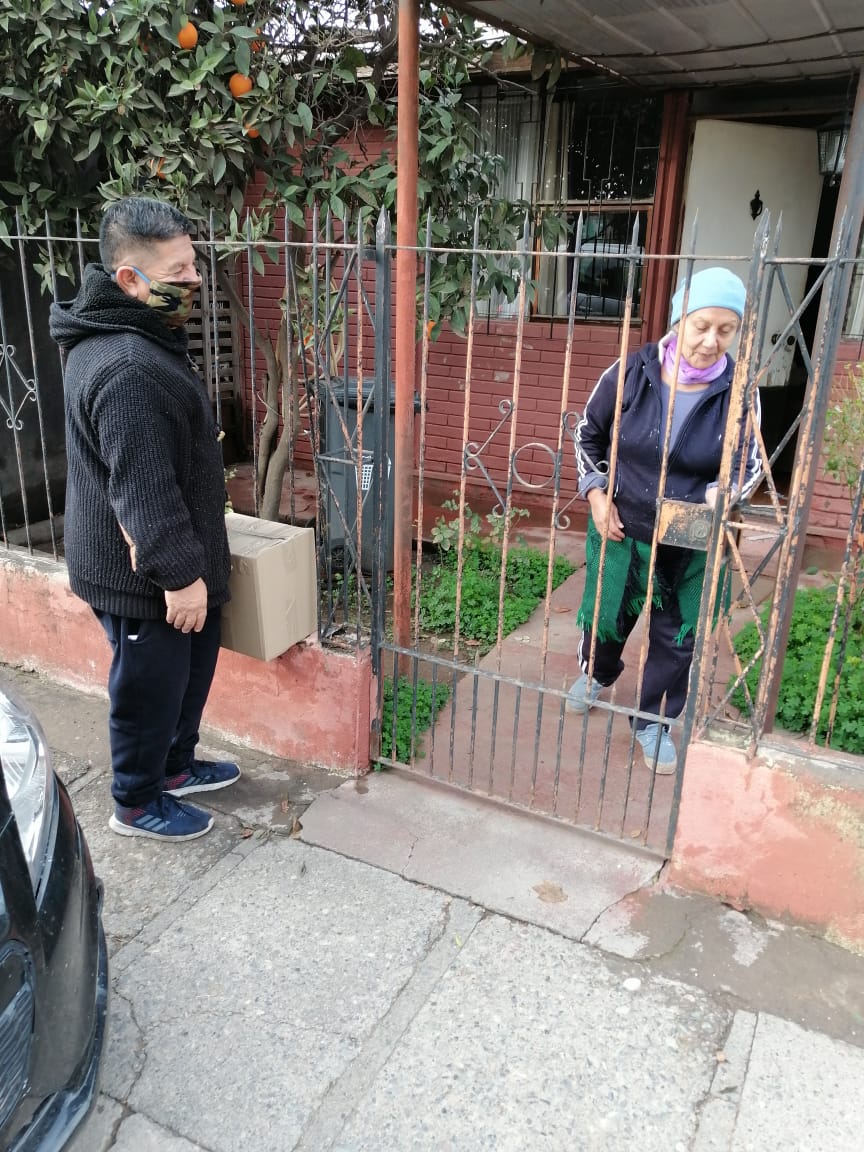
x=383, y=965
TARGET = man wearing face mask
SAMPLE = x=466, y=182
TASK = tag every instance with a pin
x=145, y=539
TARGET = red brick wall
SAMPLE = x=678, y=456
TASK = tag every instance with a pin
x=831, y=509
x=595, y=347
x=538, y=411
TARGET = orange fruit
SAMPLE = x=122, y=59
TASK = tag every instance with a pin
x=252, y=133
x=240, y=85
x=187, y=37
x=238, y=3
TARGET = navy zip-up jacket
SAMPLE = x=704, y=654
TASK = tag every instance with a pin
x=143, y=452
x=694, y=460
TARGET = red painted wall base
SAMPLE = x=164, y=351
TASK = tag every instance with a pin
x=782, y=834
x=311, y=705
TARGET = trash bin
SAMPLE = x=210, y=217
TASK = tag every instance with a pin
x=337, y=459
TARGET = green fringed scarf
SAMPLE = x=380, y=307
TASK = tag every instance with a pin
x=625, y=585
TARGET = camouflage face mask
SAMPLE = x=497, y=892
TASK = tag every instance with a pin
x=173, y=300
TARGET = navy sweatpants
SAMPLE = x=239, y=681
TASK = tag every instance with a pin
x=667, y=664
x=158, y=686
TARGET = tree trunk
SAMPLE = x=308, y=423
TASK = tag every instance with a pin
x=280, y=400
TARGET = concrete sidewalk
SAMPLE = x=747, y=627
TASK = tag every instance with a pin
x=383, y=966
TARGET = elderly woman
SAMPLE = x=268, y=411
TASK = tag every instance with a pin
x=699, y=419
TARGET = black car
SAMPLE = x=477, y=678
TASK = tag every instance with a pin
x=53, y=958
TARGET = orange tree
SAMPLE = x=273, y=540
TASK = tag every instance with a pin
x=189, y=100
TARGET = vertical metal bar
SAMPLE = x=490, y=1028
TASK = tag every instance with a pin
x=79, y=244
x=559, y=449
x=535, y=760
x=214, y=322
x=291, y=370
x=381, y=384
x=604, y=775
x=424, y=385
x=559, y=745
x=496, y=695
x=514, y=420
x=377, y=492
x=516, y=709
x=466, y=416
x=473, y=736
x=314, y=402
x=434, y=718
x=406, y=310
x=454, y=684
x=394, y=727
x=415, y=667
x=250, y=304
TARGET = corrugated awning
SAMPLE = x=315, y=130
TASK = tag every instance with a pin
x=687, y=43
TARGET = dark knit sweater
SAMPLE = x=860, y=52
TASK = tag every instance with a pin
x=143, y=452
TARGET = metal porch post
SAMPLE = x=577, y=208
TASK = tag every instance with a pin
x=406, y=313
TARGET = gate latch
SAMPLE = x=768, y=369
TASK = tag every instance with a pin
x=685, y=525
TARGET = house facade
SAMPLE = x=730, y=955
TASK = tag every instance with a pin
x=676, y=171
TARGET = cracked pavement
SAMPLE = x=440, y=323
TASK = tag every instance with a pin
x=382, y=966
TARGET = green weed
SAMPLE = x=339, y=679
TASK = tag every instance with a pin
x=415, y=713
x=524, y=586
x=802, y=666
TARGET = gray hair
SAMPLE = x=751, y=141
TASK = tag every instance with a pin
x=136, y=222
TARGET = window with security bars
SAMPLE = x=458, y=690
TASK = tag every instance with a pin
x=581, y=149
x=214, y=340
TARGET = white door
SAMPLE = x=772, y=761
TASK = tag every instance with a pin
x=729, y=164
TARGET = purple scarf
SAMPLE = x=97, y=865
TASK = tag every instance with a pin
x=687, y=374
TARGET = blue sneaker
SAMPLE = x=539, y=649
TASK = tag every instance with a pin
x=580, y=697
x=658, y=749
x=162, y=819
x=202, y=776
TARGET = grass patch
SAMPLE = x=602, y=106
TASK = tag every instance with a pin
x=802, y=666
x=415, y=713
x=524, y=584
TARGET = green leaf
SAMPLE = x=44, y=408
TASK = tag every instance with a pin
x=128, y=32
x=41, y=128
x=539, y=63
x=438, y=149
x=320, y=84
x=305, y=114
x=295, y=214
x=219, y=166
x=243, y=58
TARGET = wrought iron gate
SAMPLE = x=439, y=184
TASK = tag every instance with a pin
x=495, y=720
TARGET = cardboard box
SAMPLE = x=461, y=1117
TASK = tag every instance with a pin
x=274, y=590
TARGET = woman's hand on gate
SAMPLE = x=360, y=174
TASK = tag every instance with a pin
x=605, y=515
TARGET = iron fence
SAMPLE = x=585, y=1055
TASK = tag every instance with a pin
x=300, y=347
x=310, y=355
